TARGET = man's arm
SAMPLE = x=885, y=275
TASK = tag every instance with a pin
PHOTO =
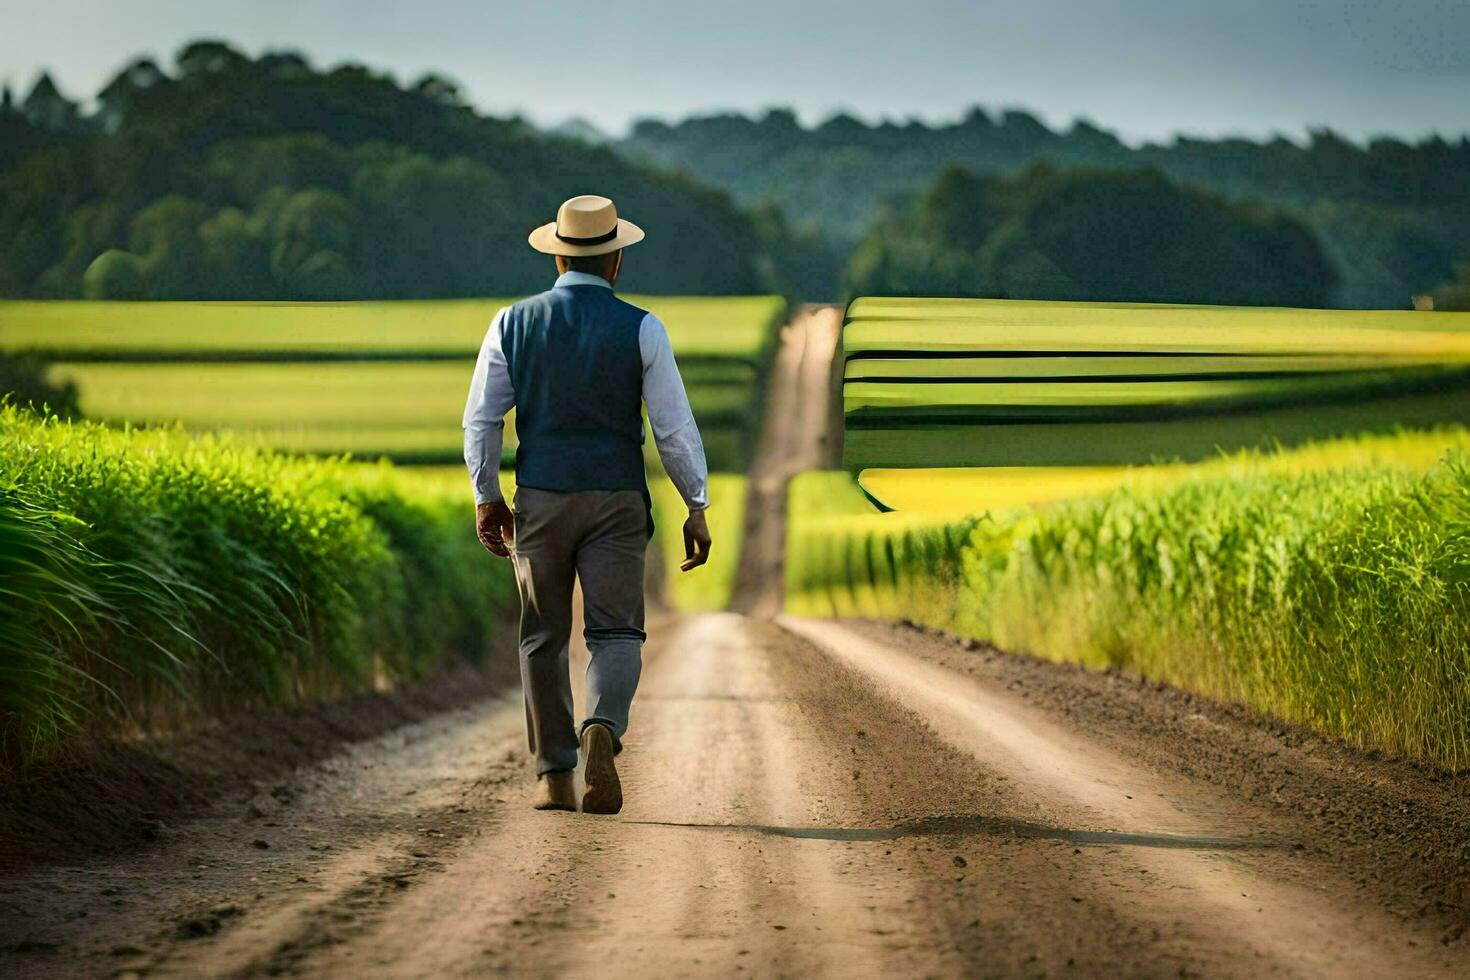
x=676, y=435
x=491, y=396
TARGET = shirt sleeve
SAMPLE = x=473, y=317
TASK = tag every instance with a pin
x=674, y=430
x=491, y=396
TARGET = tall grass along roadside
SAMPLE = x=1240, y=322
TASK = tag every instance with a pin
x=150, y=578
x=1328, y=586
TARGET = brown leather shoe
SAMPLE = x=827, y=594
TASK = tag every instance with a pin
x=556, y=791
x=604, y=793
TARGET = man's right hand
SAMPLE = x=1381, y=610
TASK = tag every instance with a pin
x=696, y=541
x=495, y=526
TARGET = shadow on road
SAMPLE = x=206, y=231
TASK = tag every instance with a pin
x=988, y=825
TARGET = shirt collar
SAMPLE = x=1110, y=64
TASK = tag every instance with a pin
x=582, y=279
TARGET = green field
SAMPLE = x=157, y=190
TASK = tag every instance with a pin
x=408, y=409
x=1048, y=477
x=1002, y=383
x=153, y=578
x=735, y=327
x=371, y=379
x=1269, y=325
x=952, y=493
x=1324, y=585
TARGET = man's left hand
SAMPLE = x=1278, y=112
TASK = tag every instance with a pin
x=495, y=527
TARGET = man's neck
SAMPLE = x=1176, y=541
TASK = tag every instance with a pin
x=574, y=278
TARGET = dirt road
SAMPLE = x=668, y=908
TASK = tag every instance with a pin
x=795, y=437
x=804, y=798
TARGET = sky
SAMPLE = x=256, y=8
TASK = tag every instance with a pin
x=1146, y=69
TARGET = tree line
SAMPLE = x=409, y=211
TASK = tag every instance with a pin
x=1392, y=217
x=228, y=177
x=225, y=176
x=1089, y=235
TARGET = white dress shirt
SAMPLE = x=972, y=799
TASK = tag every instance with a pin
x=674, y=431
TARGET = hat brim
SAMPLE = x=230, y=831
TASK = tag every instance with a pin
x=544, y=239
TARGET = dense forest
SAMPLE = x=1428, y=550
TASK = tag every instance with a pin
x=1392, y=217
x=230, y=177
x=1089, y=235
x=225, y=176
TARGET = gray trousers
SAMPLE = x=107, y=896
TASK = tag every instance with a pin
x=598, y=537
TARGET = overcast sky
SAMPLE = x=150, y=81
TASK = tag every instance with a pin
x=1144, y=68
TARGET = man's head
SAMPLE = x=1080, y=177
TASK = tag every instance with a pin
x=587, y=236
x=607, y=265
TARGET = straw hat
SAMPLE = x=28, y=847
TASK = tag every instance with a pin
x=585, y=225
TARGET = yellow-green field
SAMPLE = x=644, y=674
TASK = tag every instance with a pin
x=407, y=409
x=718, y=326
x=1270, y=327
x=934, y=382
x=962, y=492
x=369, y=379
x=369, y=407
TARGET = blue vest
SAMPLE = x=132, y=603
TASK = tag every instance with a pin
x=577, y=370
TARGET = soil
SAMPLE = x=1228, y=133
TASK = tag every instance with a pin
x=795, y=437
x=108, y=796
x=1403, y=827
x=804, y=797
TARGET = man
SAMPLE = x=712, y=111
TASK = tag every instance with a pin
x=578, y=364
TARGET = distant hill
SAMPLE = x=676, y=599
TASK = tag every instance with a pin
x=229, y=177
x=1393, y=217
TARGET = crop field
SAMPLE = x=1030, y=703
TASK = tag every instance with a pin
x=1266, y=506
x=371, y=379
x=952, y=383
x=153, y=576
x=965, y=492
x=734, y=327
x=405, y=410
x=1323, y=584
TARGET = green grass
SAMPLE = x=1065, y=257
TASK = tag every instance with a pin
x=152, y=578
x=709, y=587
x=1328, y=585
x=717, y=326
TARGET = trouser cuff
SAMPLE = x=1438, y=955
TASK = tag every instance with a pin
x=605, y=723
